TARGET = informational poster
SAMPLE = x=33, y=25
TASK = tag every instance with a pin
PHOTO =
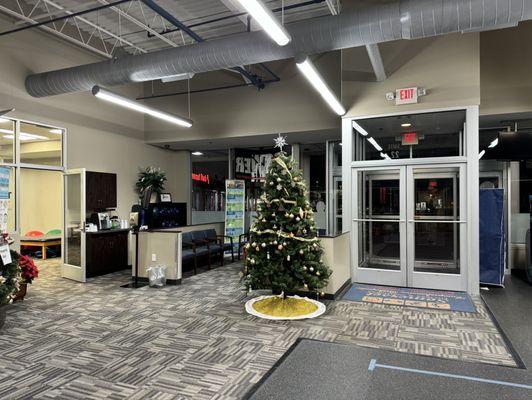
x=234, y=208
x=4, y=198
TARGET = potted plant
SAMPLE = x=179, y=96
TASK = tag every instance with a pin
x=9, y=284
x=150, y=180
x=28, y=272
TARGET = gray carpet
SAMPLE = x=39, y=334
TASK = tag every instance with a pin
x=95, y=341
x=324, y=371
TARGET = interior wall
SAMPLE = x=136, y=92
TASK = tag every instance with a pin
x=505, y=78
x=40, y=200
x=447, y=66
x=290, y=105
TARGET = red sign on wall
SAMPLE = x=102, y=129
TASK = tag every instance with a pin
x=406, y=96
x=201, y=178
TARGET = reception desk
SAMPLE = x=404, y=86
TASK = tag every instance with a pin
x=165, y=246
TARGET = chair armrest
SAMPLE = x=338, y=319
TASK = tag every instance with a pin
x=191, y=244
x=225, y=236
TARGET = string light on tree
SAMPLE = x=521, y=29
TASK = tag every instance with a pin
x=284, y=231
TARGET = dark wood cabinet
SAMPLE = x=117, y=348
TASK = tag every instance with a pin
x=100, y=190
x=106, y=252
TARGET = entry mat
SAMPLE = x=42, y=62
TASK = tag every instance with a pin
x=408, y=297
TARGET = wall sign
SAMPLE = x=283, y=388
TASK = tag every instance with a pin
x=201, y=178
x=407, y=95
x=253, y=164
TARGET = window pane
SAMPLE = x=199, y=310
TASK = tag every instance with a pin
x=40, y=144
x=410, y=136
x=437, y=247
x=380, y=246
x=7, y=148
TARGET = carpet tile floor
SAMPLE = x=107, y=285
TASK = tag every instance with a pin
x=68, y=340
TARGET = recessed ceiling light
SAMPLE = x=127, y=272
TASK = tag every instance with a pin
x=56, y=131
x=406, y=125
x=197, y=153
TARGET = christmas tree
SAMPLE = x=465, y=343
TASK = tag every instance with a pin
x=284, y=253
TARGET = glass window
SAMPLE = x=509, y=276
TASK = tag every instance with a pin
x=209, y=172
x=410, y=136
x=8, y=205
x=40, y=145
x=314, y=165
x=7, y=140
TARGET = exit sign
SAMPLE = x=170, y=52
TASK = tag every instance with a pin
x=409, y=138
x=406, y=96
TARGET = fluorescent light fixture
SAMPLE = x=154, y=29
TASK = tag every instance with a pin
x=24, y=136
x=267, y=21
x=494, y=143
x=315, y=79
x=375, y=144
x=197, y=153
x=385, y=156
x=56, y=131
x=107, y=95
x=359, y=129
x=406, y=125
x=481, y=154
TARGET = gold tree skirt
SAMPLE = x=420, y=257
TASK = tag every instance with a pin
x=277, y=308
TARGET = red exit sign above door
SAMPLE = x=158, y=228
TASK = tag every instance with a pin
x=406, y=95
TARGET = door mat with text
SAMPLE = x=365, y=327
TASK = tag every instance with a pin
x=408, y=297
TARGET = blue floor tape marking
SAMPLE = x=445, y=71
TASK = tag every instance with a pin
x=373, y=364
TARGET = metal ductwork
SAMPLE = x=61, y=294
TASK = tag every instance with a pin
x=405, y=19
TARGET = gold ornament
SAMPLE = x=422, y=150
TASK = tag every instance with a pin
x=304, y=267
x=275, y=242
x=317, y=273
x=305, y=286
x=301, y=252
x=280, y=247
x=311, y=269
x=291, y=215
x=257, y=248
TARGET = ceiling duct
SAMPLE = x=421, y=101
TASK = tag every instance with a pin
x=405, y=19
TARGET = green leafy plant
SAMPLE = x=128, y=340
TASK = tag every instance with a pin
x=284, y=252
x=150, y=180
x=153, y=178
x=10, y=279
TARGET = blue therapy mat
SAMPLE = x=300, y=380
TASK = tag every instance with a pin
x=422, y=298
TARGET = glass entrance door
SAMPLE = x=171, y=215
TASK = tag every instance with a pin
x=74, y=225
x=379, y=225
x=435, y=227
x=408, y=226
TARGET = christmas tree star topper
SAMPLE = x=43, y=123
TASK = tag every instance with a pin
x=280, y=141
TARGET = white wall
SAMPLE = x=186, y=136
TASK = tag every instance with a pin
x=40, y=200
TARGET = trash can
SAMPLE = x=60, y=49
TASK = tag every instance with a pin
x=157, y=276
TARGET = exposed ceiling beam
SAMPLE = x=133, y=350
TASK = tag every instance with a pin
x=376, y=61
x=79, y=42
x=140, y=24
x=91, y=24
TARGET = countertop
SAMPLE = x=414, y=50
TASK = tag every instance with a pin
x=108, y=231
